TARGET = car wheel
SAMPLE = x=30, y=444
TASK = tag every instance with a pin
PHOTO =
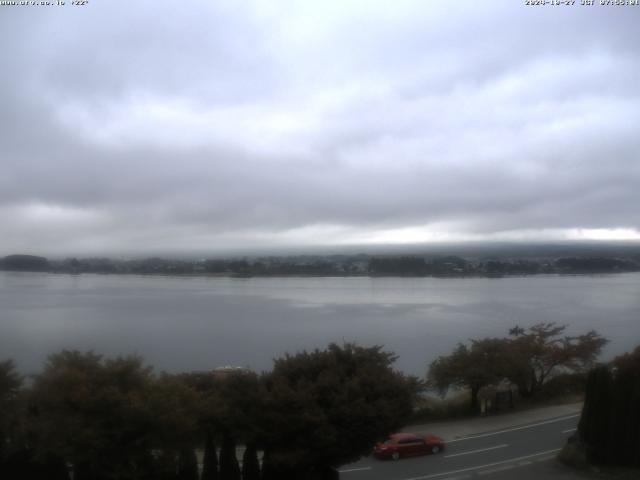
x=435, y=449
x=395, y=456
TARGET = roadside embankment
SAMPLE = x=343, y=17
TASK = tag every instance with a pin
x=451, y=430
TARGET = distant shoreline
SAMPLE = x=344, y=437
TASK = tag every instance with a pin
x=364, y=275
x=360, y=265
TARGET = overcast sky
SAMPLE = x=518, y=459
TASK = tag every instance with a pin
x=212, y=125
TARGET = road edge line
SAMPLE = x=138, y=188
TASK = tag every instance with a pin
x=512, y=429
x=478, y=467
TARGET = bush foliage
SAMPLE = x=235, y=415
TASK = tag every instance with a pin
x=113, y=418
x=527, y=358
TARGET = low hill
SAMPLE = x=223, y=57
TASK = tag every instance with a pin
x=24, y=263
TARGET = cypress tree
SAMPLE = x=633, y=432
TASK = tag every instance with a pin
x=24, y=465
x=624, y=435
x=187, y=464
x=268, y=472
x=82, y=471
x=166, y=466
x=595, y=422
x=633, y=421
x=19, y=464
x=250, y=464
x=634, y=424
x=55, y=468
x=146, y=466
x=229, y=468
x=610, y=423
x=617, y=427
x=210, y=460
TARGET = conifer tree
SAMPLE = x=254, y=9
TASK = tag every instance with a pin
x=187, y=464
x=624, y=436
x=250, y=464
x=210, y=461
x=229, y=468
x=596, y=417
x=610, y=423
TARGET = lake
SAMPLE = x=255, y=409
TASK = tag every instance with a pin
x=197, y=323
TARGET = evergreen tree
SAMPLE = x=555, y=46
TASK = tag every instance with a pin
x=250, y=464
x=268, y=471
x=596, y=414
x=187, y=464
x=625, y=429
x=10, y=384
x=166, y=466
x=610, y=423
x=92, y=412
x=210, y=461
x=229, y=468
x=24, y=465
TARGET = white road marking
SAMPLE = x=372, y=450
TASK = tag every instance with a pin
x=482, y=435
x=354, y=469
x=545, y=459
x=478, y=467
x=476, y=451
x=496, y=470
x=569, y=430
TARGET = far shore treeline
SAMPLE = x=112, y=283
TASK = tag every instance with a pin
x=578, y=262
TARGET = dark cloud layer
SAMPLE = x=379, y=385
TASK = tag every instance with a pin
x=131, y=127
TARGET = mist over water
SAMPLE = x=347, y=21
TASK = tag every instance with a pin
x=197, y=323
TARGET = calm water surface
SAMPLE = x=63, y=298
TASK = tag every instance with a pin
x=199, y=323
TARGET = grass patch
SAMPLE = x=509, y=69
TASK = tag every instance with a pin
x=573, y=455
x=616, y=473
x=430, y=409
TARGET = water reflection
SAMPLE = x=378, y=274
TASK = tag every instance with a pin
x=200, y=323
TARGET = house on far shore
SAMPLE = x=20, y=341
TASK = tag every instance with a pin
x=227, y=370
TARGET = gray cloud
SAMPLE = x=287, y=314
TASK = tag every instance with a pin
x=127, y=127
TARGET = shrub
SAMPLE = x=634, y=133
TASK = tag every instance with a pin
x=573, y=455
x=563, y=384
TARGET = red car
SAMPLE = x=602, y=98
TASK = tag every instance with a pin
x=407, y=445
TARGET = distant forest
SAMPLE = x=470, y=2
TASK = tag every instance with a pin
x=340, y=265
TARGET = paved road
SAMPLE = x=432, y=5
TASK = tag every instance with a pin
x=485, y=455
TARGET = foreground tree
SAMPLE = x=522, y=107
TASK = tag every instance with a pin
x=229, y=467
x=210, y=458
x=250, y=463
x=327, y=408
x=241, y=409
x=207, y=416
x=10, y=383
x=609, y=427
x=625, y=425
x=482, y=363
x=187, y=464
x=540, y=351
x=595, y=421
x=92, y=413
x=174, y=430
x=528, y=358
